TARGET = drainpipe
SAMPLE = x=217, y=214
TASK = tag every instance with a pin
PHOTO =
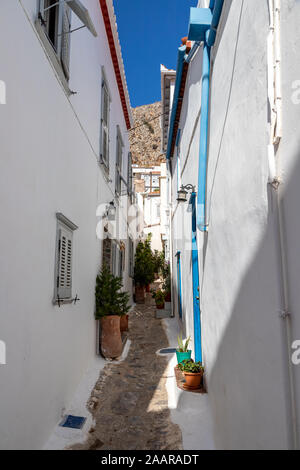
x=203, y=138
x=196, y=283
x=217, y=7
x=275, y=100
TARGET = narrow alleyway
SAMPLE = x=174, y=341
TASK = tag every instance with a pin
x=129, y=402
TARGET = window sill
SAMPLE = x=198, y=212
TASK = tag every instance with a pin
x=53, y=57
x=62, y=302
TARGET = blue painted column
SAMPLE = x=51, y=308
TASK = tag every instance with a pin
x=196, y=283
x=203, y=138
x=179, y=284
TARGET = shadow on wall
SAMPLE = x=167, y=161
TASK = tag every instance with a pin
x=248, y=381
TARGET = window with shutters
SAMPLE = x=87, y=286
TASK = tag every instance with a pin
x=105, y=116
x=64, y=259
x=119, y=158
x=54, y=19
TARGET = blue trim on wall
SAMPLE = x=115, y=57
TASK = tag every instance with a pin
x=196, y=284
x=201, y=202
x=217, y=11
x=179, y=69
x=178, y=256
x=196, y=33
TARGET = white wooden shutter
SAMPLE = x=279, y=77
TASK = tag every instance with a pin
x=66, y=40
x=64, y=271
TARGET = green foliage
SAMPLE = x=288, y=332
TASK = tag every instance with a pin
x=150, y=127
x=183, y=347
x=167, y=277
x=124, y=298
x=158, y=260
x=159, y=297
x=144, y=263
x=188, y=365
x=109, y=299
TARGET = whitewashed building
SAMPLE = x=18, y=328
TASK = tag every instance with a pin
x=147, y=183
x=65, y=177
x=233, y=150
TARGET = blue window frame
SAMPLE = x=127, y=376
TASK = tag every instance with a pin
x=179, y=284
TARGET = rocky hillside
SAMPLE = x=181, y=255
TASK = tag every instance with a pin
x=145, y=139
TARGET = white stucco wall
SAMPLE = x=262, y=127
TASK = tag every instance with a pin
x=243, y=336
x=49, y=148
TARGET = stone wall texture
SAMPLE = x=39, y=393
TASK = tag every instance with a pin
x=145, y=139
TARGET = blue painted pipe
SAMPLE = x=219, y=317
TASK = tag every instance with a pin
x=217, y=11
x=196, y=284
x=202, y=169
x=179, y=69
x=178, y=254
x=203, y=138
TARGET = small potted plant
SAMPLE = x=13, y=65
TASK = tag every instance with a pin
x=193, y=373
x=182, y=352
x=159, y=298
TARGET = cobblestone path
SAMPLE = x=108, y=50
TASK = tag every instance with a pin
x=129, y=402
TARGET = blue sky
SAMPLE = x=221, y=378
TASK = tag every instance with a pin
x=150, y=34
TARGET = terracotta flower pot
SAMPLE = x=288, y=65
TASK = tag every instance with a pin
x=139, y=294
x=160, y=306
x=111, y=341
x=124, y=323
x=193, y=380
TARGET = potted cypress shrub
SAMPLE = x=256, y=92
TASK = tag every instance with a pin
x=193, y=373
x=182, y=352
x=167, y=281
x=124, y=307
x=108, y=311
x=143, y=270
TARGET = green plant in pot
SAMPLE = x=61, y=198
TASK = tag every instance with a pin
x=143, y=269
x=108, y=310
x=159, y=298
x=124, y=309
x=183, y=352
x=167, y=281
x=193, y=373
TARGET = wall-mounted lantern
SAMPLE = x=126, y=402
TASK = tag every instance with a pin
x=183, y=192
x=111, y=211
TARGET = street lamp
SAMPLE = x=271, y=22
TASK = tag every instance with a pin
x=111, y=211
x=183, y=192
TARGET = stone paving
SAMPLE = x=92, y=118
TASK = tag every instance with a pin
x=129, y=402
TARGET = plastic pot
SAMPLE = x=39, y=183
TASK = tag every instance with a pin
x=181, y=356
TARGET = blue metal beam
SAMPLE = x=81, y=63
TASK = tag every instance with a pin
x=203, y=138
x=196, y=284
x=179, y=284
x=200, y=22
x=179, y=69
x=217, y=11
